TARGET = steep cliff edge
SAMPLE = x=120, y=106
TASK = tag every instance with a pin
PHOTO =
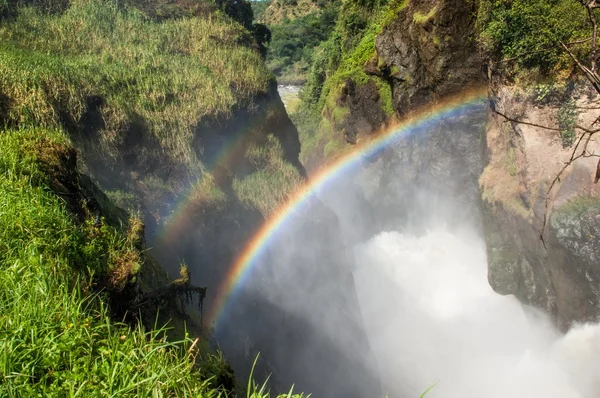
x=559, y=274
x=428, y=52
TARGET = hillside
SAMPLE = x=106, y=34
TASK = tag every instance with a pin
x=141, y=100
x=57, y=336
x=297, y=28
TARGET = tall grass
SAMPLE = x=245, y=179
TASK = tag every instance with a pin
x=56, y=335
x=170, y=75
x=274, y=180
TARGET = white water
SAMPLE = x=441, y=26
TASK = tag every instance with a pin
x=431, y=316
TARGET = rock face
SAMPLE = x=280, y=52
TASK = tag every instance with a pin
x=429, y=51
x=366, y=113
x=561, y=273
x=430, y=176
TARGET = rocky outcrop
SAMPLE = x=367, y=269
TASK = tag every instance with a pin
x=429, y=51
x=364, y=107
x=560, y=273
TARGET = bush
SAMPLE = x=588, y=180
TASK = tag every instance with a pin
x=567, y=120
x=529, y=31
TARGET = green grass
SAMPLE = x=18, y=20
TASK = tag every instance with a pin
x=274, y=180
x=57, y=338
x=170, y=75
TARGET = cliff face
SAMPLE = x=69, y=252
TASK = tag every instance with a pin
x=559, y=274
x=411, y=54
x=428, y=52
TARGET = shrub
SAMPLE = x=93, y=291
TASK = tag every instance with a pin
x=529, y=31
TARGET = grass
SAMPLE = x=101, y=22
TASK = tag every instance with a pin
x=57, y=338
x=168, y=75
x=274, y=180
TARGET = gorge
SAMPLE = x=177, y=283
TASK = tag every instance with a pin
x=415, y=224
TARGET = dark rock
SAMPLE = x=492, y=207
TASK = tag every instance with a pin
x=431, y=58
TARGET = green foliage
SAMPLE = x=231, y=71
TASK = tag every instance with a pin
x=259, y=7
x=56, y=338
x=294, y=41
x=529, y=31
x=56, y=335
x=342, y=57
x=567, y=120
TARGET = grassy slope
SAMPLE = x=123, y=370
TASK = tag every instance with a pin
x=164, y=79
x=56, y=338
x=56, y=335
x=169, y=74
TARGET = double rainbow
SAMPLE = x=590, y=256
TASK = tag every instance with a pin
x=416, y=123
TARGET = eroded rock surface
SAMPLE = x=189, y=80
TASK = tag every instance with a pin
x=560, y=273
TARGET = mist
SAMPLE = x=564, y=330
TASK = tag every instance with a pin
x=378, y=287
x=432, y=318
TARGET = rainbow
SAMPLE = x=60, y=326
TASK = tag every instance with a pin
x=417, y=122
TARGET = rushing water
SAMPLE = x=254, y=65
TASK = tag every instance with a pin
x=431, y=317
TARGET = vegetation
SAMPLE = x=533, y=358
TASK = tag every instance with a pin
x=567, y=120
x=259, y=7
x=56, y=336
x=272, y=183
x=530, y=32
x=169, y=74
x=92, y=73
x=294, y=41
x=342, y=57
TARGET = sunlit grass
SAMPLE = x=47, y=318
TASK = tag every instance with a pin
x=170, y=75
x=56, y=335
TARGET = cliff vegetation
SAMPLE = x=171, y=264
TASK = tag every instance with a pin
x=122, y=92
